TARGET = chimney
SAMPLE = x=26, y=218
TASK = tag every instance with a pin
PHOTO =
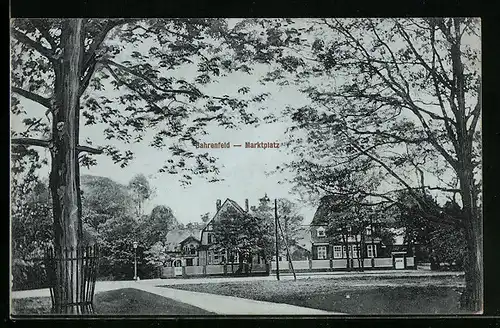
x=218, y=204
x=246, y=205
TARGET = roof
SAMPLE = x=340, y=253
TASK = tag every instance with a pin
x=189, y=238
x=227, y=201
x=328, y=204
x=176, y=236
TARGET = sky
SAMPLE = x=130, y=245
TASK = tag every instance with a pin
x=244, y=171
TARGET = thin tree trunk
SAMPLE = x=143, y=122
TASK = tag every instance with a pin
x=64, y=176
x=345, y=237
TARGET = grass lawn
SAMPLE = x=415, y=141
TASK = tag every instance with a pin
x=366, y=296
x=127, y=301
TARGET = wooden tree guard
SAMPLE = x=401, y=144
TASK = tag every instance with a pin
x=76, y=267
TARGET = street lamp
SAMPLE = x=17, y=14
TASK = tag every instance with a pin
x=135, y=259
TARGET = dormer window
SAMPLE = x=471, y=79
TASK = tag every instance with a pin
x=321, y=232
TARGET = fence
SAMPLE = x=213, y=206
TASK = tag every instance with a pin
x=383, y=262
x=320, y=264
x=340, y=264
x=282, y=265
x=71, y=274
x=214, y=270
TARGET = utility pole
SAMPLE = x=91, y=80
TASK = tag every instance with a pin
x=277, y=239
x=287, y=250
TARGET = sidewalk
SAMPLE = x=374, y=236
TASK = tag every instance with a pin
x=229, y=305
x=112, y=285
x=219, y=304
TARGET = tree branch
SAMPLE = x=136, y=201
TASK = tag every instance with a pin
x=128, y=85
x=87, y=77
x=96, y=43
x=406, y=37
x=21, y=37
x=399, y=90
x=30, y=142
x=32, y=96
x=389, y=135
x=448, y=127
x=423, y=205
x=46, y=144
x=475, y=114
x=148, y=80
x=90, y=150
x=40, y=25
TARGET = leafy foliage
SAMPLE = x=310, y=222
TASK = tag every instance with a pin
x=103, y=199
x=141, y=192
x=436, y=242
x=155, y=226
x=241, y=233
x=130, y=86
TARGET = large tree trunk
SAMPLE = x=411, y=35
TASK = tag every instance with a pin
x=472, y=298
x=64, y=176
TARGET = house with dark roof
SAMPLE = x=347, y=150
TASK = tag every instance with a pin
x=369, y=242
x=209, y=252
x=182, y=247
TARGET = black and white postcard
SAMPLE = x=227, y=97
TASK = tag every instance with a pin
x=205, y=167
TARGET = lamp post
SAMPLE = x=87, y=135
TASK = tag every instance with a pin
x=135, y=259
x=276, y=239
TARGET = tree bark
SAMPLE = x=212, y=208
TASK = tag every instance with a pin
x=472, y=298
x=345, y=237
x=64, y=176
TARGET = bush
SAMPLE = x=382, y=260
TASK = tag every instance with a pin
x=28, y=275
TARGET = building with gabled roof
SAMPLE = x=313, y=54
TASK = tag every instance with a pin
x=182, y=247
x=209, y=252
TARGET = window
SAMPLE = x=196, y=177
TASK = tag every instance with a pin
x=368, y=231
x=354, y=251
x=337, y=252
x=192, y=250
x=209, y=238
x=321, y=252
x=370, y=250
x=321, y=232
